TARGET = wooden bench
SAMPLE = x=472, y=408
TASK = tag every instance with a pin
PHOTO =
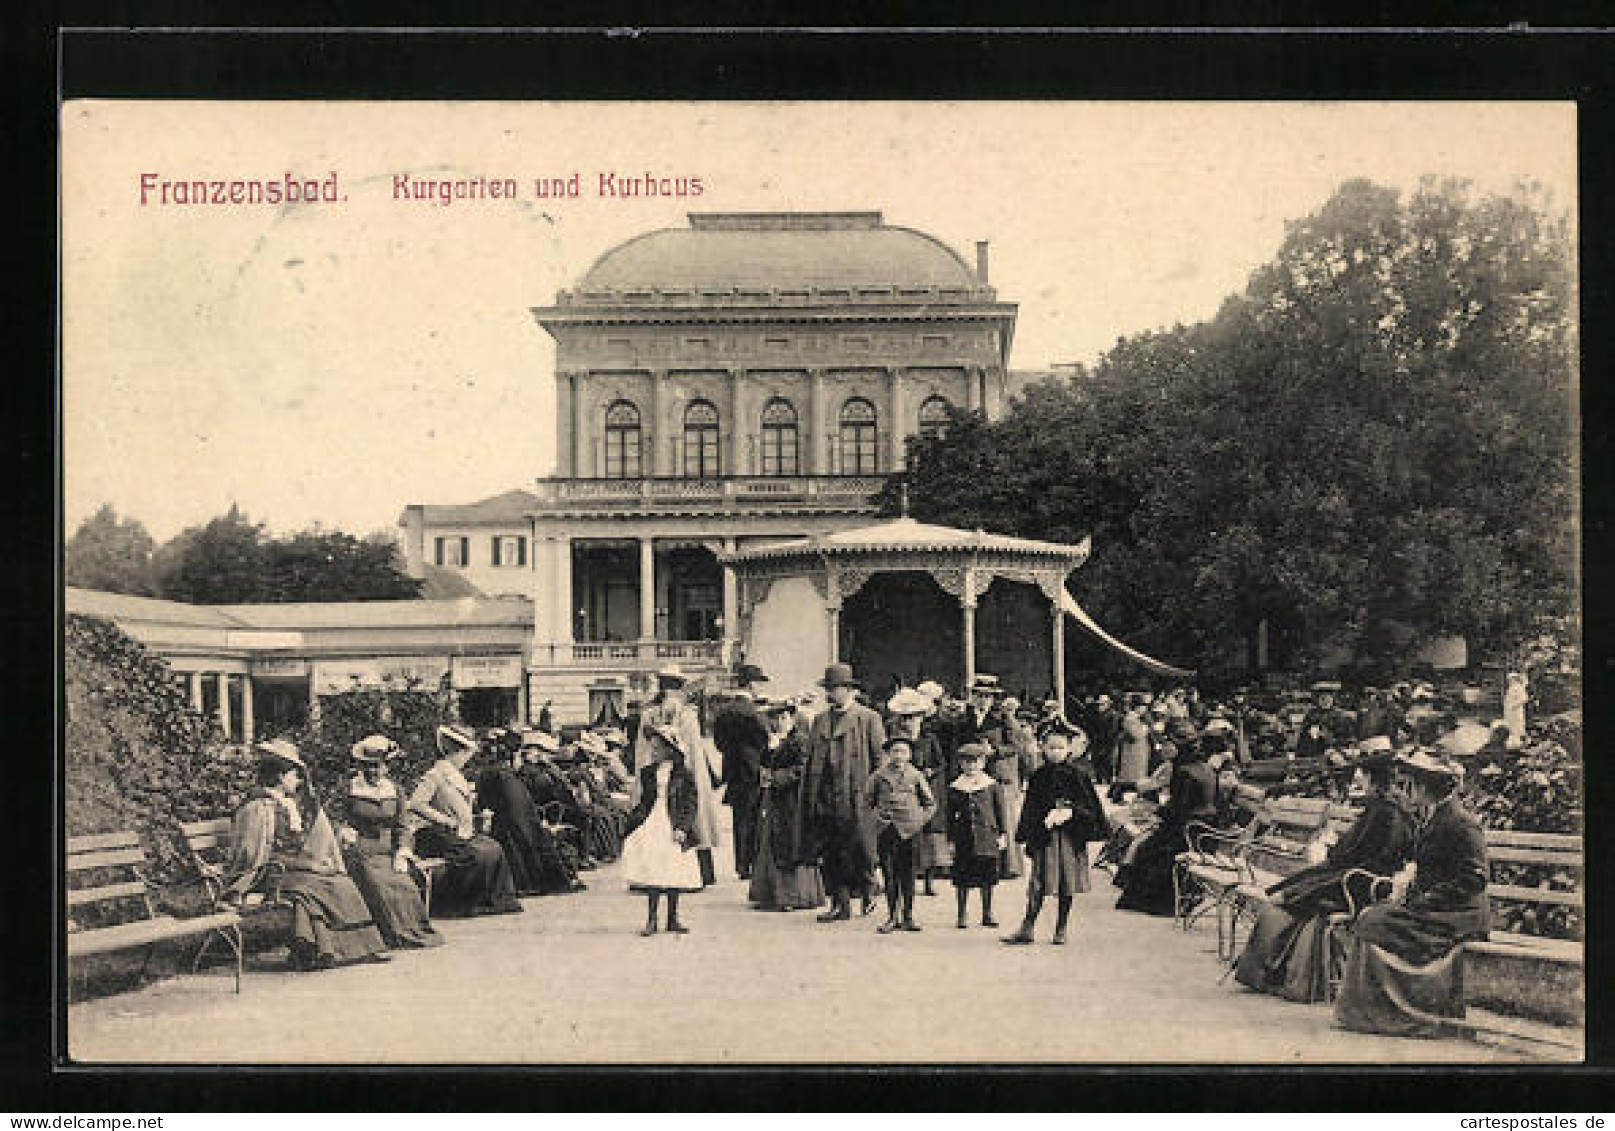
x=121, y=853
x=209, y=844
x=1227, y=871
x=1544, y=976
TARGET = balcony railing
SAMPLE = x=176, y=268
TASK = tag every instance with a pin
x=646, y=654
x=739, y=490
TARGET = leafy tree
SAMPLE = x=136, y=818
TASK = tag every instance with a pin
x=332, y=566
x=1369, y=447
x=220, y=563
x=110, y=553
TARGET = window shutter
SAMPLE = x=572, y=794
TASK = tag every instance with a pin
x=439, y=543
x=465, y=551
x=496, y=549
x=521, y=551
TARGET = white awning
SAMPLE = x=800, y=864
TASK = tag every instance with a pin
x=1077, y=613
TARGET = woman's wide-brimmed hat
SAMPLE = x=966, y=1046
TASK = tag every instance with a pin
x=591, y=743
x=455, y=739
x=671, y=678
x=909, y=701
x=1430, y=766
x=280, y=752
x=838, y=675
x=1219, y=724
x=932, y=690
x=541, y=740
x=668, y=735
x=373, y=749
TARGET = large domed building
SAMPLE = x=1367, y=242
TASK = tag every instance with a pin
x=749, y=378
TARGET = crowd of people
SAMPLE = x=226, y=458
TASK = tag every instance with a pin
x=838, y=797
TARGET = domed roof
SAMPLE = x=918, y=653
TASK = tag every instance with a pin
x=790, y=251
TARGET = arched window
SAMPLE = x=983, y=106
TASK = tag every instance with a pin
x=700, y=440
x=858, y=446
x=779, y=438
x=934, y=417
x=622, y=441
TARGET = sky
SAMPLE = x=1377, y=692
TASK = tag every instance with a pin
x=329, y=364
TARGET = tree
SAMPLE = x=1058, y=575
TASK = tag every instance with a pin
x=1369, y=447
x=110, y=553
x=223, y=562
x=332, y=566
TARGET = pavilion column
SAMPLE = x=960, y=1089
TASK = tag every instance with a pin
x=967, y=604
x=817, y=431
x=647, y=588
x=895, y=380
x=524, y=690
x=248, y=723
x=832, y=615
x=313, y=699
x=224, y=703
x=658, y=463
x=731, y=605
x=1057, y=643
x=196, y=692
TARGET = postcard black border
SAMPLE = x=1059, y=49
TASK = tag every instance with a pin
x=818, y=64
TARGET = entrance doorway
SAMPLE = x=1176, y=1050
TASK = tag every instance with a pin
x=902, y=629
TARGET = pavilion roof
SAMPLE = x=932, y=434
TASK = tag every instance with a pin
x=905, y=535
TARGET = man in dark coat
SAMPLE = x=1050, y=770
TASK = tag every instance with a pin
x=844, y=747
x=741, y=736
x=1324, y=727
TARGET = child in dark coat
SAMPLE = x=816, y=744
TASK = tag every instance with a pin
x=1061, y=815
x=977, y=827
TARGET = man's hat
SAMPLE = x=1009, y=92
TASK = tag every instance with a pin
x=776, y=706
x=971, y=750
x=1059, y=724
x=748, y=674
x=1219, y=724
x=1426, y=764
x=932, y=690
x=373, y=749
x=282, y=752
x=541, y=740
x=985, y=684
x=838, y=675
x=1374, y=744
x=1326, y=685
x=453, y=738
x=908, y=701
x=671, y=678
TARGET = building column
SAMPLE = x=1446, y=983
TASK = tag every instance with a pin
x=249, y=725
x=973, y=388
x=578, y=445
x=224, y=703
x=894, y=376
x=817, y=430
x=313, y=699
x=731, y=605
x=1057, y=643
x=647, y=588
x=832, y=614
x=737, y=429
x=523, y=690
x=564, y=604
x=658, y=379
x=197, y=702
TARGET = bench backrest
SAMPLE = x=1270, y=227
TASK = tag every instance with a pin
x=209, y=843
x=1296, y=819
x=1560, y=852
x=122, y=857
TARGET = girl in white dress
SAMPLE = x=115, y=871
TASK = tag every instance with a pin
x=658, y=856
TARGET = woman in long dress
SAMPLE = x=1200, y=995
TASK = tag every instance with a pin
x=1146, y=877
x=537, y=865
x=477, y=880
x=779, y=881
x=658, y=858
x=378, y=838
x=1133, y=751
x=277, y=843
x=1404, y=974
x=1288, y=952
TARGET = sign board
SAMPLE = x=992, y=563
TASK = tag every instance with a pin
x=332, y=677
x=280, y=666
x=487, y=671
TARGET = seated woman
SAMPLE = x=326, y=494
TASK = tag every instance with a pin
x=1288, y=951
x=378, y=836
x=601, y=822
x=1404, y=975
x=1146, y=879
x=277, y=842
x=536, y=863
x=552, y=794
x=478, y=880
